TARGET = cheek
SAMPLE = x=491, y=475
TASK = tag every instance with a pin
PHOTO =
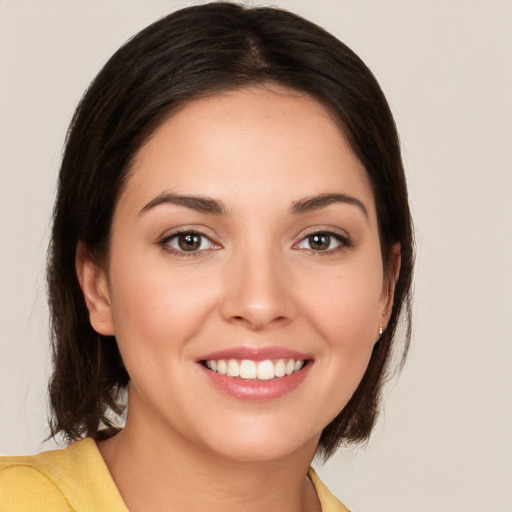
x=345, y=316
x=157, y=309
x=346, y=306
x=345, y=311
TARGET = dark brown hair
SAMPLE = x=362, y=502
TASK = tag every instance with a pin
x=191, y=53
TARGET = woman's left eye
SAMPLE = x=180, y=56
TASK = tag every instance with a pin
x=323, y=242
x=188, y=242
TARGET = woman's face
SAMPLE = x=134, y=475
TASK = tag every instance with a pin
x=245, y=242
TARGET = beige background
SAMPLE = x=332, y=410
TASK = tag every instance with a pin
x=444, y=442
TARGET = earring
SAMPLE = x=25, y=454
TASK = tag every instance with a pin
x=381, y=329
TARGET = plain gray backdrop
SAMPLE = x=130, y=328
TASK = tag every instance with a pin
x=444, y=440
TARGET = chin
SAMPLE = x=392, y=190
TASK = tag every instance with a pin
x=260, y=442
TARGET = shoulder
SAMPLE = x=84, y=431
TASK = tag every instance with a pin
x=328, y=501
x=24, y=485
x=74, y=479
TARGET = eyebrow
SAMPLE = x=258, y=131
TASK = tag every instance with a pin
x=199, y=203
x=323, y=200
x=208, y=205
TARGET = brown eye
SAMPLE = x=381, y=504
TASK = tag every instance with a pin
x=319, y=241
x=324, y=241
x=189, y=241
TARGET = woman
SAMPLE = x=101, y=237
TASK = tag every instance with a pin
x=232, y=244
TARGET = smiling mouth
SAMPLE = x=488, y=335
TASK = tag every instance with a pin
x=255, y=370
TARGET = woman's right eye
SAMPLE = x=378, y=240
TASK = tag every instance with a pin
x=188, y=242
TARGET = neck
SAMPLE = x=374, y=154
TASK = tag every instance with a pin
x=153, y=468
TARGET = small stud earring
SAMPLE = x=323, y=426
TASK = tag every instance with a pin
x=381, y=329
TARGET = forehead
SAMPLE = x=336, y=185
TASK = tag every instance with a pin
x=249, y=143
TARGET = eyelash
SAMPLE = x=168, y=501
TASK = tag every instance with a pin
x=344, y=243
x=165, y=243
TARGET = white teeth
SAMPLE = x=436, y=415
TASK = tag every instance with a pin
x=222, y=367
x=248, y=369
x=265, y=370
x=280, y=368
x=233, y=369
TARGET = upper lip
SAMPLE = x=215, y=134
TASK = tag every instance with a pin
x=256, y=354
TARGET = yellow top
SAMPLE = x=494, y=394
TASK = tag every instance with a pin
x=76, y=479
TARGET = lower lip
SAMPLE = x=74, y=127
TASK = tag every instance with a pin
x=251, y=389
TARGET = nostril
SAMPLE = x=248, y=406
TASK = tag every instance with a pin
x=259, y=321
x=257, y=310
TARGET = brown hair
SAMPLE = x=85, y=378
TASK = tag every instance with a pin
x=194, y=52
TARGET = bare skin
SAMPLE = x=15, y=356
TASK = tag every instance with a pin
x=202, y=482
x=286, y=259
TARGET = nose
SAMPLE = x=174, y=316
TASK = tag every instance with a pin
x=258, y=291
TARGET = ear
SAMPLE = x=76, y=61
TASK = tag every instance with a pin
x=94, y=283
x=390, y=279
